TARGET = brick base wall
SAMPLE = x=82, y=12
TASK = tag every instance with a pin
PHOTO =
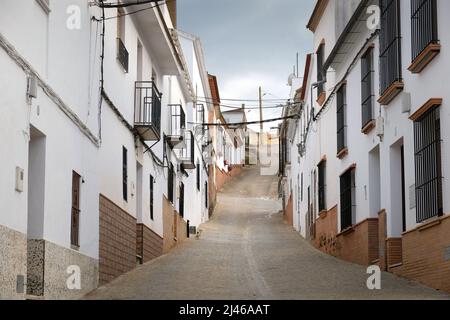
x=426, y=254
x=359, y=244
x=117, y=243
x=175, y=228
x=289, y=212
x=212, y=192
x=149, y=245
x=393, y=252
x=326, y=231
x=223, y=177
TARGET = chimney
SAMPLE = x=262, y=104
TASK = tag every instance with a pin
x=172, y=7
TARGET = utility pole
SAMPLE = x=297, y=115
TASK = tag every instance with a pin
x=260, y=110
x=261, y=125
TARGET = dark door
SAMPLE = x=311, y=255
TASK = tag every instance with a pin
x=182, y=199
x=75, y=220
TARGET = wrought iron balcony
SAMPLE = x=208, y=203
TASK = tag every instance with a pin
x=206, y=138
x=186, y=155
x=122, y=54
x=177, y=127
x=200, y=129
x=147, y=110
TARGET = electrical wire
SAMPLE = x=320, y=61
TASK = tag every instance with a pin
x=104, y=5
x=244, y=100
x=278, y=106
x=245, y=123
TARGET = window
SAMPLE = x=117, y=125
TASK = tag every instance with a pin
x=367, y=88
x=427, y=139
x=75, y=217
x=125, y=174
x=198, y=176
x=181, y=204
x=170, y=183
x=122, y=52
x=322, y=186
x=152, y=195
x=206, y=195
x=424, y=30
x=341, y=118
x=320, y=72
x=347, y=184
x=301, y=187
x=390, y=47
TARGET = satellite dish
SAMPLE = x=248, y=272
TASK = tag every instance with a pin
x=290, y=78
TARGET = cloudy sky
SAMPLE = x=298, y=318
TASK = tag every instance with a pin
x=249, y=43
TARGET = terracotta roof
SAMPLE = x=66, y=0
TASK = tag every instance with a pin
x=306, y=76
x=316, y=16
x=214, y=89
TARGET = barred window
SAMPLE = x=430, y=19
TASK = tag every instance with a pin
x=125, y=174
x=347, y=185
x=424, y=30
x=152, y=182
x=322, y=186
x=390, y=46
x=320, y=71
x=427, y=139
x=170, y=183
x=367, y=87
x=341, y=118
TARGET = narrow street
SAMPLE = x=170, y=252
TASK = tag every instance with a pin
x=247, y=251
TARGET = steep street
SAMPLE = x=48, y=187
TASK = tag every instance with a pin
x=247, y=251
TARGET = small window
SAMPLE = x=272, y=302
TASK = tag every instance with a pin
x=198, y=176
x=125, y=174
x=428, y=163
x=322, y=186
x=320, y=72
x=181, y=204
x=206, y=195
x=341, y=118
x=75, y=216
x=367, y=88
x=170, y=183
x=152, y=182
x=347, y=185
x=301, y=187
x=122, y=52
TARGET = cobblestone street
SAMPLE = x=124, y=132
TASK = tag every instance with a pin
x=247, y=251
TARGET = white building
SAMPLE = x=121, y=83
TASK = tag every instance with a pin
x=369, y=183
x=235, y=139
x=100, y=168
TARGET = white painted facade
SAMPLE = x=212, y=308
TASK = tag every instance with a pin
x=69, y=127
x=63, y=116
x=377, y=173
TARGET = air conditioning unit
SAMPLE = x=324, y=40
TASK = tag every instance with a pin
x=301, y=149
x=406, y=102
x=380, y=127
x=32, y=87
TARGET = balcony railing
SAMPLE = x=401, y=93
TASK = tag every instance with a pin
x=147, y=110
x=186, y=155
x=177, y=126
x=200, y=119
x=122, y=54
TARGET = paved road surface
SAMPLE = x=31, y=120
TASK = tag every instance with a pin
x=248, y=252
